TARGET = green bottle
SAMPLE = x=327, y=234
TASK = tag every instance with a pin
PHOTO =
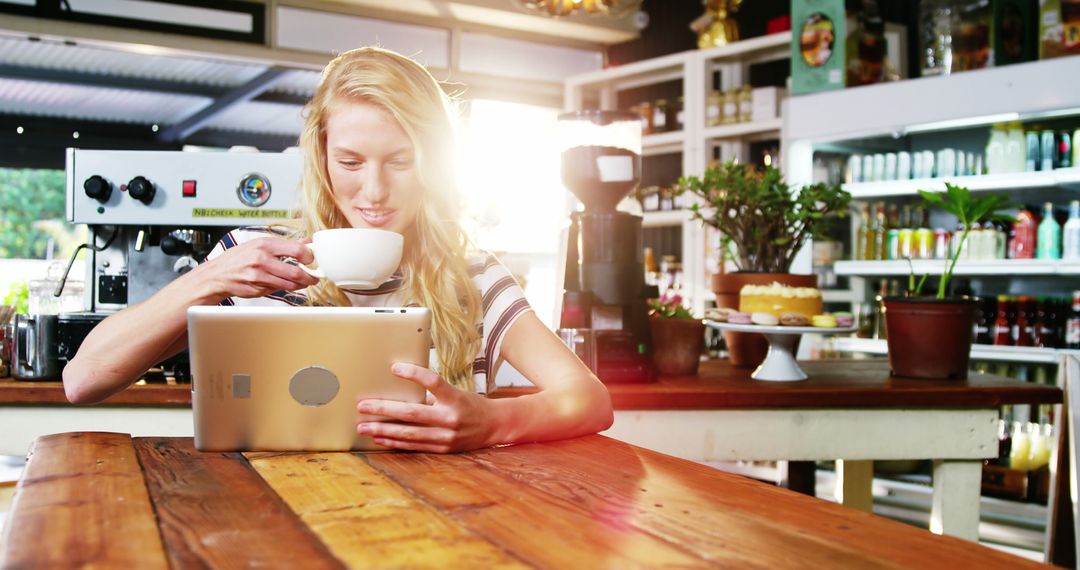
x=1048, y=244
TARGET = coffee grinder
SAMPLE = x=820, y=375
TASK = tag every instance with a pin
x=604, y=283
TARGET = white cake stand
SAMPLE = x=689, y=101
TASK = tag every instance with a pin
x=779, y=364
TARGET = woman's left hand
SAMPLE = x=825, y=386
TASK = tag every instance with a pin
x=455, y=421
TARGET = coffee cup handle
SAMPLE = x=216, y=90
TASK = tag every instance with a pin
x=317, y=272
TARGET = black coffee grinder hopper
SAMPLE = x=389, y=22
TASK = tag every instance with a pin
x=604, y=292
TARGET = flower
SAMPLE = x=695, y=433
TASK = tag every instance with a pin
x=668, y=306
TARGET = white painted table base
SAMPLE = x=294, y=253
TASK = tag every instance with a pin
x=956, y=439
x=20, y=425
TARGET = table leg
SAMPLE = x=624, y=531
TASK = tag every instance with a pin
x=802, y=477
x=854, y=483
x=955, y=509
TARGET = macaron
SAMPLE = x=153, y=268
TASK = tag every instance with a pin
x=794, y=320
x=718, y=314
x=766, y=319
x=844, y=319
x=823, y=321
x=738, y=318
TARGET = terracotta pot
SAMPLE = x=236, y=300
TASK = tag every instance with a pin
x=677, y=345
x=747, y=350
x=929, y=338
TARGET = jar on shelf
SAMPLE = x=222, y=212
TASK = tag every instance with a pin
x=730, y=112
x=666, y=203
x=677, y=116
x=746, y=104
x=660, y=116
x=644, y=111
x=650, y=199
x=714, y=108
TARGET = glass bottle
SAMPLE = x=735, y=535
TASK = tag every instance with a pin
x=995, y=150
x=1070, y=234
x=879, y=231
x=1049, y=238
x=863, y=235
x=1015, y=154
x=1072, y=323
x=1022, y=244
x=731, y=107
x=1002, y=326
x=905, y=233
x=746, y=104
x=678, y=114
x=923, y=247
x=660, y=116
x=1021, y=447
x=651, y=269
x=935, y=36
x=1022, y=327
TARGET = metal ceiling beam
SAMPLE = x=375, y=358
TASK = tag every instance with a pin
x=235, y=96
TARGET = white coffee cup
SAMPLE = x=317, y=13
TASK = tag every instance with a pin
x=355, y=258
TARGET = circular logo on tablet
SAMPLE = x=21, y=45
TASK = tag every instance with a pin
x=313, y=386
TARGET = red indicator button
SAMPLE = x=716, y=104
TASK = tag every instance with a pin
x=189, y=188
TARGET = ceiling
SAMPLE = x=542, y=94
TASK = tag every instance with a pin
x=68, y=85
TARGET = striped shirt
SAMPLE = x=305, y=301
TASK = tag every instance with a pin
x=502, y=300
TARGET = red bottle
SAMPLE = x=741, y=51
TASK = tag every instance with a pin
x=1002, y=326
x=1022, y=329
x=1025, y=230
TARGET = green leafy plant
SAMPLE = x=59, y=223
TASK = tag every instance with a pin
x=668, y=306
x=969, y=210
x=762, y=220
x=19, y=295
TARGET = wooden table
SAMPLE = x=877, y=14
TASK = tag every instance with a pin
x=109, y=500
x=29, y=410
x=848, y=410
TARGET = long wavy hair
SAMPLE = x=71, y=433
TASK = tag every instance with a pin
x=434, y=266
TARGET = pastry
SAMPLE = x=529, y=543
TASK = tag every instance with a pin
x=824, y=321
x=844, y=319
x=738, y=318
x=778, y=299
x=767, y=319
x=718, y=314
x=794, y=320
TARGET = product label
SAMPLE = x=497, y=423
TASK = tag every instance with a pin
x=1072, y=332
x=238, y=213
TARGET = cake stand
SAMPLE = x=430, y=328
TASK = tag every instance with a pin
x=779, y=364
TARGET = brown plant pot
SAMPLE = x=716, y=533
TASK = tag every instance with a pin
x=929, y=338
x=747, y=350
x=677, y=345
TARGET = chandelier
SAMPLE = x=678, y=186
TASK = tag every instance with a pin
x=613, y=8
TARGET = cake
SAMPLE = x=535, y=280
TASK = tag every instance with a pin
x=779, y=299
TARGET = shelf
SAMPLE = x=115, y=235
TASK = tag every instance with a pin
x=665, y=218
x=743, y=129
x=1033, y=355
x=963, y=267
x=749, y=48
x=663, y=143
x=1068, y=178
x=839, y=296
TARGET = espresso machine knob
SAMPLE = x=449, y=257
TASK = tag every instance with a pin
x=173, y=245
x=141, y=189
x=98, y=188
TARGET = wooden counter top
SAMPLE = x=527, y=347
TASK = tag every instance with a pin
x=105, y=499
x=832, y=384
x=52, y=393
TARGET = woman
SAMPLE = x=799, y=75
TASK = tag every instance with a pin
x=377, y=143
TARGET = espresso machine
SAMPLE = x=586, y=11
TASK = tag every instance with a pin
x=604, y=291
x=152, y=216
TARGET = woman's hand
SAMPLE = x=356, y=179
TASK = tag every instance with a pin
x=257, y=268
x=452, y=420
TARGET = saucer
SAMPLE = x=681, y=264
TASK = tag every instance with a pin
x=358, y=285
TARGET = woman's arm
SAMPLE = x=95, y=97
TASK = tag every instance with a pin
x=571, y=401
x=122, y=347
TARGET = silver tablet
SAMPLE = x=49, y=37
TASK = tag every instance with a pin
x=289, y=378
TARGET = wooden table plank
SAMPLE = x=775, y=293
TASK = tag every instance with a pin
x=832, y=384
x=81, y=502
x=369, y=521
x=544, y=531
x=725, y=518
x=165, y=395
x=215, y=511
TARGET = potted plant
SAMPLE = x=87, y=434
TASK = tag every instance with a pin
x=930, y=337
x=678, y=338
x=763, y=223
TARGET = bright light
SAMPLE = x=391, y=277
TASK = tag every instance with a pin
x=509, y=175
x=154, y=128
x=75, y=135
x=19, y=130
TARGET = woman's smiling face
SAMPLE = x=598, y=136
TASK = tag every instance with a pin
x=372, y=167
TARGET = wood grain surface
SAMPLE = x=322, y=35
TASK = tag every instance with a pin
x=832, y=384
x=369, y=521
x=163, y=395
x=81, y=502
x=216, y=512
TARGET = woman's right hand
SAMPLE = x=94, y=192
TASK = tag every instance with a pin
x=258, y=267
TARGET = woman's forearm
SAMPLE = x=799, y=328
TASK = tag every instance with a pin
x=584, y=407
x=122, y=347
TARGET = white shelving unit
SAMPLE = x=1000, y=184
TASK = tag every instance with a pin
x=600, y=90
x=925, y=109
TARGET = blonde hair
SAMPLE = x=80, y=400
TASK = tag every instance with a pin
x=434, y=267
